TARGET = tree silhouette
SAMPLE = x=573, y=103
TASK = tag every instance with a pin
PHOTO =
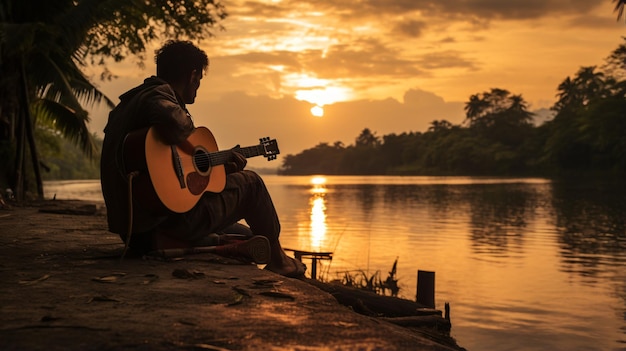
x=44, y=46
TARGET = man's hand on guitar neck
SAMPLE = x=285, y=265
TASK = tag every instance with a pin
x=237, y=162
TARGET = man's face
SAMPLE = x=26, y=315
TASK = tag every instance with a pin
x=191, y=89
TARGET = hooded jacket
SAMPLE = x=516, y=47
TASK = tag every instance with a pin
x=151, y=104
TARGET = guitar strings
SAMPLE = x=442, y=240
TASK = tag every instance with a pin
x=220, y=157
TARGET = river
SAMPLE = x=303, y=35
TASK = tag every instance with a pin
x=525, y=263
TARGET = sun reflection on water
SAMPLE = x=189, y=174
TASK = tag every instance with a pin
x=318, y=213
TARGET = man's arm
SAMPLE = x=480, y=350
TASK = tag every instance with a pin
x=172, y=122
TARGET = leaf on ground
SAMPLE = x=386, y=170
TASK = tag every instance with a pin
x=238, y=299
x=268, y=282
x=242, y=291
x=187, y=274
x=102, y=298
x=186, y=322
x=278, y=295
x=112, y=278
x=33, y=281
x=208, y=347
x=150, y=278
x=48, y=318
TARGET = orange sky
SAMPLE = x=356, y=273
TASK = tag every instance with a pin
x=392, y=66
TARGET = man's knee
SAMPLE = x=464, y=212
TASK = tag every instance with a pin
x=242, y=178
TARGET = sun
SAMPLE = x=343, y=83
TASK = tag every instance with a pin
x=317, y=111
x=318, y=92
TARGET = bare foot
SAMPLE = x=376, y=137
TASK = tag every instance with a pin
x=286, y=266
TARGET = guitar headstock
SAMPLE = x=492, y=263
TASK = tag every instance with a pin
x=270, y=148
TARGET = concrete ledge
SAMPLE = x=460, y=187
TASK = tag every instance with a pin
x=63, y=287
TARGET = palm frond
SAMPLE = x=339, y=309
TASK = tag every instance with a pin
x=619, y=8
x=68, y=83
x=70, y=123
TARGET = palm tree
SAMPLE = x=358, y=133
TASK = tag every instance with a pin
x=518, y=111
x=568, y=95
x=45, y=45
x=367, y=139
x=439, y=125
x=42, y=80
x=590, y=82
x=619, y=8
x=575, y=93
x=481, y=107
x=475, y=107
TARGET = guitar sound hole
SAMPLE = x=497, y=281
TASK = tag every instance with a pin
x=201, y=160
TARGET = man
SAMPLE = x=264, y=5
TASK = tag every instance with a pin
x=160, y=103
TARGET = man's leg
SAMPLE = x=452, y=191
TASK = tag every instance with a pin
x=244, y=197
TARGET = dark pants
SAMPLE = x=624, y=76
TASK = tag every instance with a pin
x=244, y=197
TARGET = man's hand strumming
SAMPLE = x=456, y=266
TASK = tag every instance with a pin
x=237, y=162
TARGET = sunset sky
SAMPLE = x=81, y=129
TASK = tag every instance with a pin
x=392, y=66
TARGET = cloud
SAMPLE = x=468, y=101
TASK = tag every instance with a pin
x=357, y=62
x=256, y=9
x=514, y=9
x=364, y=57
x=240, y=118
x=446, y=59
x=589, y=21
x=467, y=9
x=410, y=28
x=404, y=63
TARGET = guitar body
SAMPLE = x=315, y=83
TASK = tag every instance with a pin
x=174, y=177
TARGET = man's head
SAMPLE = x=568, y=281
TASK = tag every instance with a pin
x=182, y=64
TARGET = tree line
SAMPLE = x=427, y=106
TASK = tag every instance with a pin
x=498, y=136
x=60, y=159
x=45, y=47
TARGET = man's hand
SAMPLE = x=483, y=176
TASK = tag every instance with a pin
x=237, y=162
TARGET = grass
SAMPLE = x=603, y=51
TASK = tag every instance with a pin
x=360, y=280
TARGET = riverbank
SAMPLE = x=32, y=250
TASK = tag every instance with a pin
x=63, y=286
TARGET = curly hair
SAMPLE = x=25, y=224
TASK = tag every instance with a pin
x=176, y=59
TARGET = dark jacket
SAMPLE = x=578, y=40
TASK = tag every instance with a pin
x=152, y=103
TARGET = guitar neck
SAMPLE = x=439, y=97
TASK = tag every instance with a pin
x=221, y=157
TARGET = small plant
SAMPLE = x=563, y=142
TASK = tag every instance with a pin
x=391, y=282
x=360, y=280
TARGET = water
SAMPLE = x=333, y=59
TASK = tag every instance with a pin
x=526, y=264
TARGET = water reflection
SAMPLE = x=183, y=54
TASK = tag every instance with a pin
x=499, y=217
x=527, y=264
x=592, y=229
x=510, y=253
x=318, y=213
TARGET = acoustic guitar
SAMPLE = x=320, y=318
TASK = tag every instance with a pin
x=174, y=177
